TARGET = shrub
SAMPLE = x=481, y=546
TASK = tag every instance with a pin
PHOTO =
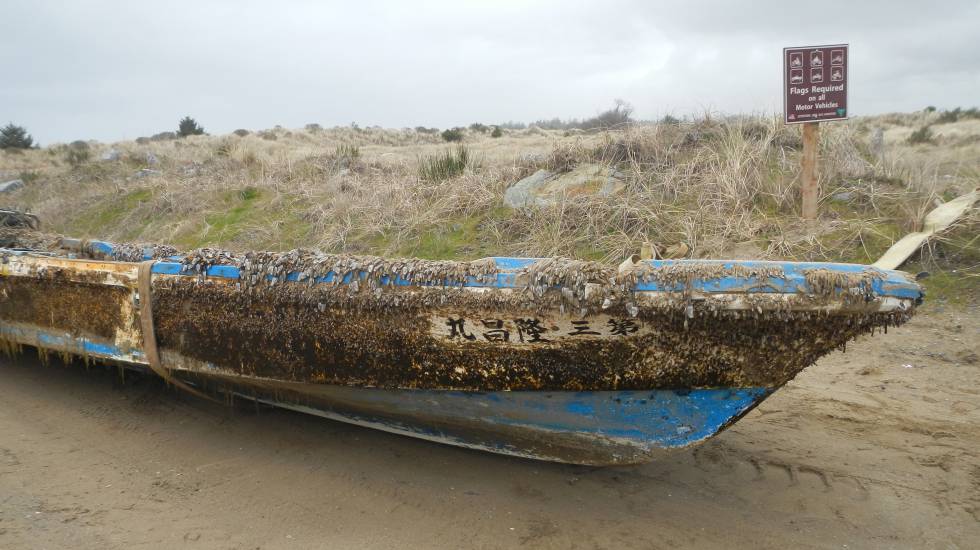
x=346, y=155
x=142, y=140
x=189, y=127
x=29, y=177
x=478, y=127
x=455, y=134
x=424, y=130
x=313, y=128
x=497, y=132
x=948, y=116
x=619, y=115
x=224, y=148
x=922, y=135
x=556, y=124
x=670, y=120
x=250, y=193
x=451, y=163
x=163, y=136
x=15, y=137
x=930, y=109
x=241, y=132
x=957, y=114
x=78, y=152
x=564, y=156
x=268, y=135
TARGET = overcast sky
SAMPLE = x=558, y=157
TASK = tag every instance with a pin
x=112, y=70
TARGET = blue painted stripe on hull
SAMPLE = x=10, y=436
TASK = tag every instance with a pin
x=893, y=283
x=75, y=344
x=595, y=428
x=651, y=419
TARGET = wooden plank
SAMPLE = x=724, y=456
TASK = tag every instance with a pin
x=936, y=221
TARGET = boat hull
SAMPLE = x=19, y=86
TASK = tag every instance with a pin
x=563, y=362
x=599, y=428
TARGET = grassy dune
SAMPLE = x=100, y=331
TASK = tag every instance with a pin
x=728, y=187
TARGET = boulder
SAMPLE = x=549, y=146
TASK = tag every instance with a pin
x=544, y=188
x=110, y=155
x=151, y=159
x=11, y=185
x=523, y=192
x=144, y=172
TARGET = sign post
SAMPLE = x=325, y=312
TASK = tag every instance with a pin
x=809, y=186
x=814, y=90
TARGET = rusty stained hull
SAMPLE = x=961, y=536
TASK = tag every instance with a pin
x=623, y=395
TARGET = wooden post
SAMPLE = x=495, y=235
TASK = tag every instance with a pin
x=810, y=189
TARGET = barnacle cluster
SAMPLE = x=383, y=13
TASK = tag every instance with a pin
x=28, y=239
x=375, y=329
x=324, y=334
x=851, y=287
x=48, y=299
x=129, y=252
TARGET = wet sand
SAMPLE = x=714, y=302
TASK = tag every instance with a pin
x=874, y=448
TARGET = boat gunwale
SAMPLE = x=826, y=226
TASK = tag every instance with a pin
x=893, y=284
x=883, y=283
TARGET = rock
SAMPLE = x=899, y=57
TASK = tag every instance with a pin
x=11, y=185
x=110, y=155
x=522, y=193
x=544, y=188
x=844, y=196
x=146, y=172
x=151, y=159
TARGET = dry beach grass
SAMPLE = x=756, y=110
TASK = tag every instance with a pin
x=725, y=186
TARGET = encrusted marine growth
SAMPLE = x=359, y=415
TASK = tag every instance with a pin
x=305, y=316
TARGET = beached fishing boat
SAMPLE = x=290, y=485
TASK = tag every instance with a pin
x=551, y=359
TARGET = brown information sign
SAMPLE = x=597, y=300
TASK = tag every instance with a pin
x=815, y=83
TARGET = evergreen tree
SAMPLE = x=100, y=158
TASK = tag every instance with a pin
x=15, y=137
x=189, y=127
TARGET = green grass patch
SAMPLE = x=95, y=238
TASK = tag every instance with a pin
x=457, y=238
x=246, y=219
x=861, y=246
x=449, y=164
x=235, y=209
x=949, y=286
x=589, y=252
x=225, y=226
x=107, y=215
